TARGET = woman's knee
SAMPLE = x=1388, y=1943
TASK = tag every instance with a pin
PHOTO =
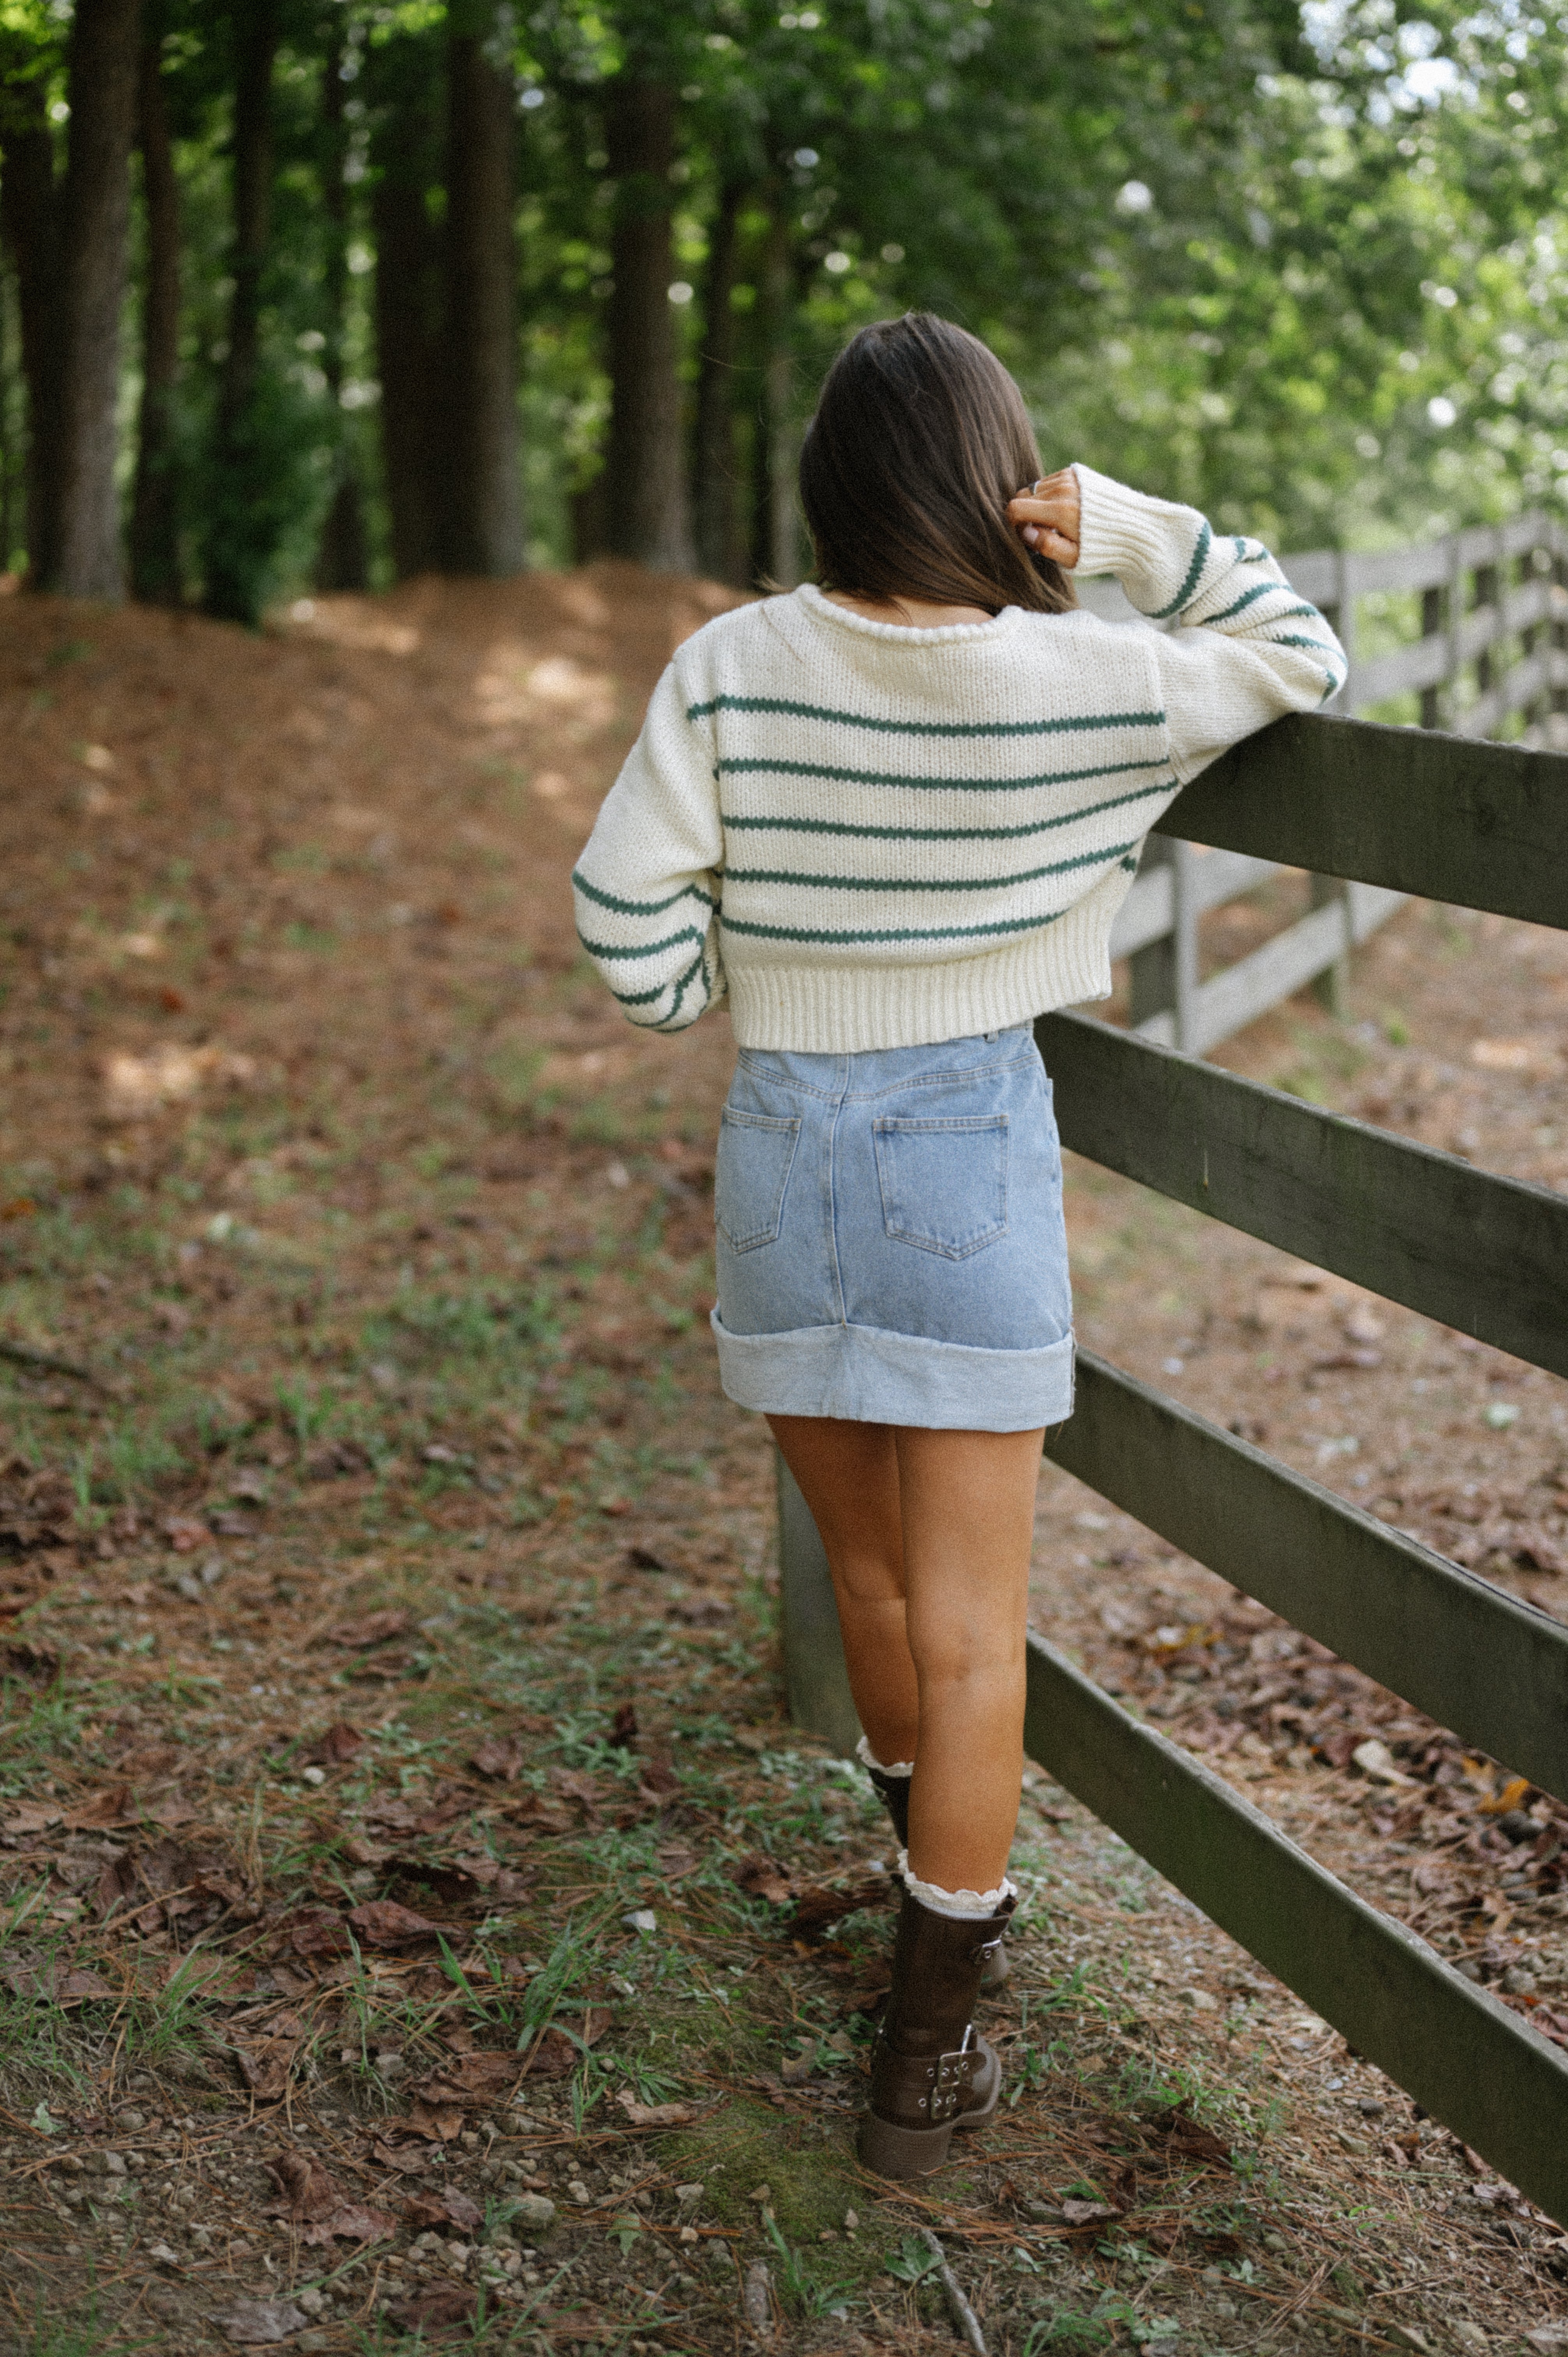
x=953, y=1658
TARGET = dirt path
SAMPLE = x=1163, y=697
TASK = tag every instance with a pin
x=389, y=1623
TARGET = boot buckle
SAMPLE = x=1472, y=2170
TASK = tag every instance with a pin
x=943, y=2101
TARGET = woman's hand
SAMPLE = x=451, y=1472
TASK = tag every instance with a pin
x=1046, y=516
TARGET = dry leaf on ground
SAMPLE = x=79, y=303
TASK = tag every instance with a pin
x=257, y=2323
x=434, y=2212
x=383, y=1923
x=373, y=1630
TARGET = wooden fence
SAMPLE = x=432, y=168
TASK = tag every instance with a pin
x=1484, y=826
x=1491, y=608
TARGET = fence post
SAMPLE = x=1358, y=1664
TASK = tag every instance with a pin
x=1165, y=975
x=1431, y=628
x=815, y=1677
x=1150, y=971
x=1345, y=625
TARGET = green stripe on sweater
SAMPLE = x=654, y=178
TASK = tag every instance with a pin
x=792, y=711
x=1199, y=559
x=615, y=950
x=733, y=821
x=929, y=884
x=765, y=766
x=903, y=933
x=640, y=908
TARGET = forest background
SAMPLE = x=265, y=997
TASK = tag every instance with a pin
x=335, y=292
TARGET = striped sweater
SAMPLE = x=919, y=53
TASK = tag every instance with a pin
x=873, y=836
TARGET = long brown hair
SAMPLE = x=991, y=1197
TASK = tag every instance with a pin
x=920, y=440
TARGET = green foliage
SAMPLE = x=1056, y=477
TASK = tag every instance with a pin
x=1304, y=267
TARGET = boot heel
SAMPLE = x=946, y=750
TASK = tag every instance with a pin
x=893, y=2151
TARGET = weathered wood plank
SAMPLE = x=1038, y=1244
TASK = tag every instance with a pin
x=1485, y=1254
x=1459, y=2051
x=1145, y=915
x=1425, y=663
x=1236, y=995
x=1473, y=1658
x=1224, y=876
x=1484, y=826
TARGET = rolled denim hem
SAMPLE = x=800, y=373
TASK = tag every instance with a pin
x=866, y=1374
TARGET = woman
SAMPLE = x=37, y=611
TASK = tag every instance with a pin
x=894, y=816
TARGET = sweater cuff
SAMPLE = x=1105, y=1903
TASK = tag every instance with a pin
x=1147, y=544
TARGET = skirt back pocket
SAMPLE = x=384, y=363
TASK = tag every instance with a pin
x=751, y=1170
x=944, y=1183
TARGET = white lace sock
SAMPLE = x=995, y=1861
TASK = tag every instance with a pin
x=868, y=1758
x=960, y=1906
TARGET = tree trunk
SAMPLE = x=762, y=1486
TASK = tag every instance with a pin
x=235, y=554
x=484, y=485
x=83, y=539
x=775, y=526
x=648, y=519
x=154, y=508
x=30, y=222
x=408, y=347
x=720, y=551
x=341, y=561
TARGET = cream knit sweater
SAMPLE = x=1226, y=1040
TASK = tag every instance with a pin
x=877, y=837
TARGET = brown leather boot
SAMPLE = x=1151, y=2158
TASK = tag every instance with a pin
x=932, y=2072
x=894, y=1792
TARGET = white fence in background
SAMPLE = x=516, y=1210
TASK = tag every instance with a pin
x=1491, y=659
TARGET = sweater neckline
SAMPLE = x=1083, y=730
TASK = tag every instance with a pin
x=811, y=599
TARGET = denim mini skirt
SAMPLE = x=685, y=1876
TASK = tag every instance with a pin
x=890, y=1245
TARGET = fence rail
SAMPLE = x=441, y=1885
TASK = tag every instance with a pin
x=1492, y=652
x=1396, y=811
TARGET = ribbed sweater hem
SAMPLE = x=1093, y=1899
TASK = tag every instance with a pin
x=851, y=1010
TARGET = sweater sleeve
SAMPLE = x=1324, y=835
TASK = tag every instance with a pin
x=1244, y=648
x=647, y=886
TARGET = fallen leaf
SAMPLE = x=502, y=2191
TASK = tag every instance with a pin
x=1189, y=2138
x=383, y=1923
x=432, y=2212
x=817, y=1909
x=406, y=2159
x=32, y=1816
x=255, y=2323
x=499, y=1757
x=374, y=1630
x=440, y=2124
x=551, y=2057
x=264, y=2066
x=470, y=2078
x=675, y=1863
x=339, y=1743
x=656, y=2115
x=49, y=1984
x=115, y=1806
x=184, y=1533
x=38, y=1663
x=1514, y=1795
x=444, y=2304
x=764, y=1880
x=1374, y=1760
x=317, y=1932
x=1539, y=1056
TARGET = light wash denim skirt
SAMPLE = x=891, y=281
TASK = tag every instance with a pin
x=890, y=1245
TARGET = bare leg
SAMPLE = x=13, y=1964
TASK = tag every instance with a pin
x=968, y=1501
x=848, y=1475
x=929, y=1537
